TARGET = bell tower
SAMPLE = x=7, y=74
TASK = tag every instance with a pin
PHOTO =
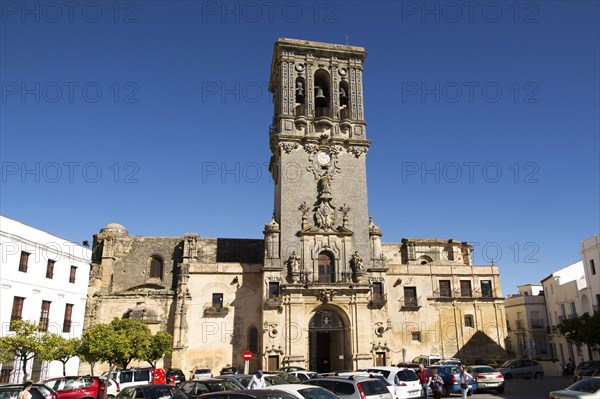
x=318, y=162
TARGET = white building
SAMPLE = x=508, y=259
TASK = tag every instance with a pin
x=43, y=278
x=527, y=322
x=590, y=254
x=564, y=291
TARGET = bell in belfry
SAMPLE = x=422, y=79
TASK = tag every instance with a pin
x=343, y=93
x=319, y=95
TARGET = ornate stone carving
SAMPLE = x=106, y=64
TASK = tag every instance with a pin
x=344, y=209
x=294, y=268
x=326, y=295
x=357, y=151
x=288, y=147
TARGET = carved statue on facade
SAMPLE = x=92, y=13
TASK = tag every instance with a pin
x=357, y=262
x=294, y=262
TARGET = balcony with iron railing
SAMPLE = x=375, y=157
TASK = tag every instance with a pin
x=377, y=301
x=409, y=303
x=466, y=295
x=273, y=301
x=536, y=324
x=552, y=330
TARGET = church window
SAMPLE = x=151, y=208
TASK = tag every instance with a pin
x=445, y=289
x=486, y=289
x=253, y=339
x=468, y=320
x=274, y=289
x=217, y=301
x=410, y=296
x=416, y=336
x=326, y=268
x=156, y=268
x=465, y=289
x=377, y=292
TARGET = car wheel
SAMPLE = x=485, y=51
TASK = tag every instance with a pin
x=469, y=392
x=500, y=390
x=445, y=392
x=508, y=376
x=538, y=375
x=111, y=396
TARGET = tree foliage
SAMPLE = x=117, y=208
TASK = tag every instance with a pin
x=63, y=349
x=582, y=330
x=27, y=342
x=160, y=344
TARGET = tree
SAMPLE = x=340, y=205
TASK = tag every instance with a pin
x=160, y=344
x=116, y=343
x=27, y=342
x=63, y=349
x=582, y=330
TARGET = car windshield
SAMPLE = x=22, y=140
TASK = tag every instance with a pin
x=506, y=364
x=317, y=393
x=588, y=385
x=407, y=375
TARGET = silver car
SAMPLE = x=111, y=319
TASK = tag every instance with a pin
x=353, y=387
x=588, y=388
x=521, y=368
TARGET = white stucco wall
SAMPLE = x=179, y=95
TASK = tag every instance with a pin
x=33, y=285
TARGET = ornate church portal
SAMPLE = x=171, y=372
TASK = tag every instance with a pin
x=328, y=342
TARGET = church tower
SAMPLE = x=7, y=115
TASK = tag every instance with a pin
x=320, y=245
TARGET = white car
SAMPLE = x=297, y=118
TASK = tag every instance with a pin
x=305, y=375
x=112, y=388
x=302, y=391
x=201, y=373
x=389, y=386
x=405, y=380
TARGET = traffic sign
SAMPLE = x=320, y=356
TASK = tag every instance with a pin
x=247, y=355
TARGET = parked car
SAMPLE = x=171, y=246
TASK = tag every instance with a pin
x=38, y=391
x=304, y=375
x=427, y=360
x=487, y=378
x=586, y=369
x=301, y=391
x=275, y=379
x=229, y=370
x=291, y=368
x=241, y=379
x=288, y=377
x=521, y=368
x=131, y=377
x=452, y=360
x=195, y=388
x=588, y=388
x=249, y=394
x=201, y=373
x=404, y=380
x=175, y=375
x=380, y=377
x=451, y=376
x=412, y=366
x=353, y=387
x=152, y=391
x=77, y=387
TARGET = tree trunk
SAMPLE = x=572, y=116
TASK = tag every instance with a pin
x=24, y=367
x=64, y=369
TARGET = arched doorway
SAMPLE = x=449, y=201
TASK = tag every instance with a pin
x=328, y=342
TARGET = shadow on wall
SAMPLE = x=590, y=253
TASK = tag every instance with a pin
x=480, y=346
x=240, y=250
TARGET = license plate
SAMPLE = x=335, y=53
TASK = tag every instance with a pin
x=492, y=384
x=414, y=393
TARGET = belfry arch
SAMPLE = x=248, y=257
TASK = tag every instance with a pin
x=329, y=340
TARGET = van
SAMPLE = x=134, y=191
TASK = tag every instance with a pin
x=427, y=360
x=131, y=377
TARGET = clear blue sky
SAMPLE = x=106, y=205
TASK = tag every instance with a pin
x=484, y=119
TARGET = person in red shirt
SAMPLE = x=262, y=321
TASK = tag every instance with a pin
x=423, y=375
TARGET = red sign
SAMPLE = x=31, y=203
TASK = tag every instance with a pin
x=247, y=355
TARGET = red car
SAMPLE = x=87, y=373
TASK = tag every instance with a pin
x=77, y=387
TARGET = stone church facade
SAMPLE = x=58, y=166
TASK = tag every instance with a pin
x=320, y=290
